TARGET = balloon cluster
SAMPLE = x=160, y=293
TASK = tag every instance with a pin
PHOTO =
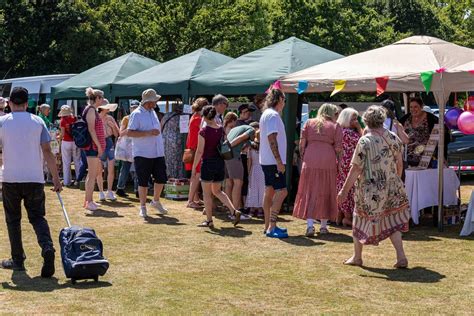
x=462, y=120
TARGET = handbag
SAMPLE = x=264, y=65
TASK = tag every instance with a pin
x=188, y=155
x=225, y=149
x=123, y=149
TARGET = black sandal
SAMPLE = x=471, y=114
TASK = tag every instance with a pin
x=237, y=215
x=209, y=224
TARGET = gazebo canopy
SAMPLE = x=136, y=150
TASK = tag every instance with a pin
x=171, y=77
x=402, y=62
x=254, y=72
x=443, y=66
x=102, y=76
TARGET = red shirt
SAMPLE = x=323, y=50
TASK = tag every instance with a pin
x=66, y=122
x=192, y=140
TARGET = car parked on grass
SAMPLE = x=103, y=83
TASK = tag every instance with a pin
x=461, y=152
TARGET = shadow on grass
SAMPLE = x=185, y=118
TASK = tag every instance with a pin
x=430, y=233
x=163, y=220
x=117, y=203
x=335, y=237
x=302, y=241
x=229, y=232
x=104, y=213
x=24, y=283
x=412, y=275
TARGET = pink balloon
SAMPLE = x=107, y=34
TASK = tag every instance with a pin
x=466, y=122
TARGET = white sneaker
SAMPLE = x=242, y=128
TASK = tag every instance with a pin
x=91, y=206
x=245, y=217
x=142, y=211
x=111, y=196
x=101, y=196
x=160, y=208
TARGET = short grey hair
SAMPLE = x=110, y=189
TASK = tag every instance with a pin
x=345, y=117
x=218, y=99
x=375, y=116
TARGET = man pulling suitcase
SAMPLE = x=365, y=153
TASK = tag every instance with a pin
x=26, y=141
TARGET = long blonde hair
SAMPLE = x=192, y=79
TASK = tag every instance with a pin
x=327, y=111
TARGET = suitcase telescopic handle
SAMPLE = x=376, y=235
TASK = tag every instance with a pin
x=64, y=209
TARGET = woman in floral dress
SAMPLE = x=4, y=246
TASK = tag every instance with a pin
x=381, y=203
x=351, y=132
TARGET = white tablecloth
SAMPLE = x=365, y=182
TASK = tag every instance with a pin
x=422, y=189
x=468, y=227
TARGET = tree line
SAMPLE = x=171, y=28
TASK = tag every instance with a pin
x=70, y=36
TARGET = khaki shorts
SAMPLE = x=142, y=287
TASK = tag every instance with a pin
x=234, y=169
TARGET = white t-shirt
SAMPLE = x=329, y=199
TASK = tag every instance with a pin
x=150, y=146
x=271, y=123
x=21, y=136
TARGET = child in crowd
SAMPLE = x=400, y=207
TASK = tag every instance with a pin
x=256, y=190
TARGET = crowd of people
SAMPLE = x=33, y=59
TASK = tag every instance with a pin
x=349, y=175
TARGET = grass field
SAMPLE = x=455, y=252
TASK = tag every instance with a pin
x=170, y=266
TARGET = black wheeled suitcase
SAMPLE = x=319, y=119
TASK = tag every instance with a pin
x=81, y=251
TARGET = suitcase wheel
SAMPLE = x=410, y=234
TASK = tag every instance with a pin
x=96, y=278
x=73, y=281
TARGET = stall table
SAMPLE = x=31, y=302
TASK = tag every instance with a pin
x=422, y=189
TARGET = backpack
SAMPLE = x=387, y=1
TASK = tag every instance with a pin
x=80, y=132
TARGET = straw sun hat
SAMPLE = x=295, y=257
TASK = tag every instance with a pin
x=65, y=111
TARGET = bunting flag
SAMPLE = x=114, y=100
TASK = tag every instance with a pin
x=275, y=85
x=381, y=84
x=302, y=86
x=338, y=86
x=471, y=71
x=441, y=70
x=427, y=78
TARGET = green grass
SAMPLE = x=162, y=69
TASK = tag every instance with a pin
x=170, y=266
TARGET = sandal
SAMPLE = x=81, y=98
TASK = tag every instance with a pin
x=200, y=202
x=401, y=264
x=209, y=224
x=193, y=205
x=352, y=262
x=237, y=214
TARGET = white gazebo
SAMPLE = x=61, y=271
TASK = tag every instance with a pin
x=397, y=68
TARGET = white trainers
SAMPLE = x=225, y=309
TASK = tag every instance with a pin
x=111, y=196
x=142, y=211
x=91, y=206
x=160, y=208
x=101, y=196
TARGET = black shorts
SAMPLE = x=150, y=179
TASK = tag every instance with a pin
x=213, y=170
x=273, y=178
x=147, y=167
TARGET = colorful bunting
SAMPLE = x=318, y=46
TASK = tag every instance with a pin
x=338, y=86
x=471, y=71
x=427, y=78
x=302, y=86
x=275, y=85
x=381, y=84
x=441, y=70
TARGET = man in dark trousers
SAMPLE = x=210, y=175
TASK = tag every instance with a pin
x=26, y=141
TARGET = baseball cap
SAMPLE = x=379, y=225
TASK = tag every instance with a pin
x=134, y=103
x=245, y=106
x=19, y=95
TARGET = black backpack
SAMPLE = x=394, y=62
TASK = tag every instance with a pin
x=80, y=131
x=80, y=134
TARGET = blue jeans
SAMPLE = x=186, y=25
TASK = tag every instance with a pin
x=123, y=176
x=83, y=169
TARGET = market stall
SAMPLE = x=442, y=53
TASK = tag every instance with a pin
x=417, y=63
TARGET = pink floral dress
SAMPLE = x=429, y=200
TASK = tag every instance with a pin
x=349, y=142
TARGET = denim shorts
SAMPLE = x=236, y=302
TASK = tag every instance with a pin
x=213, y=170
x=273, y=178
x=109, y=153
